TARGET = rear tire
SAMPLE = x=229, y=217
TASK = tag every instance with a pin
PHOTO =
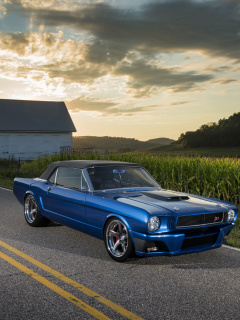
x=118, y=240
x=32, y=213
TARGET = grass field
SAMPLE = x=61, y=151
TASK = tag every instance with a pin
x=234, y=237
x=9, y=169
x=211, y=177
x=6, y=182
x=176, y=150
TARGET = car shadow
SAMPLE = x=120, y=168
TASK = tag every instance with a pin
x=53, y=224
x=70, y=241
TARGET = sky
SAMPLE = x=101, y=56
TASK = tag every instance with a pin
x=138, y=69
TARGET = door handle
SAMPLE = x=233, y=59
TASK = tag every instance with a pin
x=49, y=188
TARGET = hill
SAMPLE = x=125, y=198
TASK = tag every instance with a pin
x=161, y=141
x=116, y=144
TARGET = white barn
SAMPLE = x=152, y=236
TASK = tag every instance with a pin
x=29, y=129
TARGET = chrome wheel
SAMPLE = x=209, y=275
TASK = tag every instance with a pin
x=117, y=239
x=32, y=213
x=30, y=209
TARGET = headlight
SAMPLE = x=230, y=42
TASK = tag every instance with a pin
x=231, y=215
x=153, y=224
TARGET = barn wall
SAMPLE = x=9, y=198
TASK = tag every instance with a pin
x=27, y=146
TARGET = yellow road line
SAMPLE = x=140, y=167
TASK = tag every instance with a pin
x=90, y=293
x=97, y=314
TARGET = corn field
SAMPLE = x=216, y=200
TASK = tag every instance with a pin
x=211, y=177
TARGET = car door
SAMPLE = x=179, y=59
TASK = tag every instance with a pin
x=66, y=195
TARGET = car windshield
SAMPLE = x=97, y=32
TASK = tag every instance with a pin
x=120, y=177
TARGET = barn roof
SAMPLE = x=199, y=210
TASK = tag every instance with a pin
x=46, y=116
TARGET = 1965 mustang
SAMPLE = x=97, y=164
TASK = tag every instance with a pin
x=122, y=204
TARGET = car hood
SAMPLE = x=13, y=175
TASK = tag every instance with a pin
x=170, y=202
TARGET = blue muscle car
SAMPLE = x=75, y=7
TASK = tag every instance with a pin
x=122, y=204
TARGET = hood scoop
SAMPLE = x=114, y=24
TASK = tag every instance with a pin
x=165, y=195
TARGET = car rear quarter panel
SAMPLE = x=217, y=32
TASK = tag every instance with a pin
x=20, y=188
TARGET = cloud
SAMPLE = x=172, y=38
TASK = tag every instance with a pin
x=16, y=42
x=177, y=103
x=220, y=69
x=77, y=62
x=52, y=46
x=50, y=54
x=3, y=10
x=106, y=107
x=47, y=4
x=80, y=73
x=92, y=104
x=104, y=52
x=146, y=79
x=224, y=81
x=211, y=27
x=126, y=43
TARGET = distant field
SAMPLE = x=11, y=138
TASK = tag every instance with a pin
x=177, y=150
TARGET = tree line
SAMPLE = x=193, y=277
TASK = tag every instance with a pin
x=224, y=133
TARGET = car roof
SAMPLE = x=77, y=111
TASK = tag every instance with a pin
x=82, y=164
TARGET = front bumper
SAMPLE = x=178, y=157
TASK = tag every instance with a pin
x=188, y=241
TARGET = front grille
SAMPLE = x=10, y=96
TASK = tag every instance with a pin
x=192, y=242
x=201, y=219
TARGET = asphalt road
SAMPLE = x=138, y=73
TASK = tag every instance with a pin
x=196, y=286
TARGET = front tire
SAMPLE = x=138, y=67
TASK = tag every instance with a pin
x=118, y=240
x=32, y=213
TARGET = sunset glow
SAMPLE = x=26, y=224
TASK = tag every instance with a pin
x=139, y=69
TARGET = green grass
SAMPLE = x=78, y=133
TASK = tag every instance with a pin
x=6, y=182
x=234, y=237
x=9, y=169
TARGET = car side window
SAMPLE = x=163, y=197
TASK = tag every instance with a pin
x=71, y=178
